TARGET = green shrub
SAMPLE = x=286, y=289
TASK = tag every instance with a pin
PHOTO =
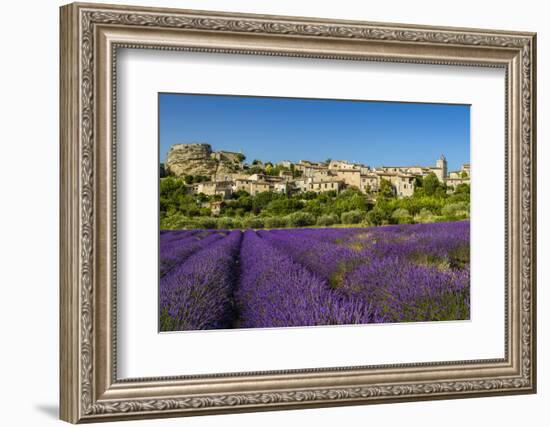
x=402, y=216
x=226, y=223
x=405, y=220
x=328, y=219
x=173, y=221
x=275, y=222
x=301, y=219
x=459, y=209
x=375, y=217
x=353, y=217
x=400, y=213
x=206, y=223
x=253, y=222
x=425, y=215
x=193, y=224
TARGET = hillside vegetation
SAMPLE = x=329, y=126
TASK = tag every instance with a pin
x=431, y=202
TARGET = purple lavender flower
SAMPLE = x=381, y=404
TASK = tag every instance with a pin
x=214, y=279
x=198, y=293
x=275, y=291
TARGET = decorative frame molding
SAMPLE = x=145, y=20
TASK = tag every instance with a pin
x=90, y=36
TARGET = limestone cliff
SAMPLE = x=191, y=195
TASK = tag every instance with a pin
x=199, y=159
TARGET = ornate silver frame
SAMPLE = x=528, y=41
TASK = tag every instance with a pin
x=90, y=36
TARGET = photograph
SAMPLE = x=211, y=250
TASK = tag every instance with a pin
x=291, y=212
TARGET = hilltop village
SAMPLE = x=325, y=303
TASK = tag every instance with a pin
x=224, y=173
x=206, y=189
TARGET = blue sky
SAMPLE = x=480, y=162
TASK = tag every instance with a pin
x=274, y=129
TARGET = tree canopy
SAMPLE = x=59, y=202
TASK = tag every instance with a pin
x=180, y=208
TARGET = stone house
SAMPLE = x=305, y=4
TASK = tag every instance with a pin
x=365, y=170
x=463, y=173
x=211, y=188
x=370, y=182
x=301, y=184
x=228, y=176
x=310, y=170
x=417, y=170
x=439, y=173
x=285, y=163
x=215, y=208
x=343, y=165
x=403, y=184
x=322, y=174
x=452, y=183
x=392, y=169
x=256, y=177
x=334, y=184
x=286, y=175
x=281, y=187
x=240, y=184
x=251, y=186
x=309, y=163
x=351, y=177
x=459, y=177
x=193, y=188
x=259, y=187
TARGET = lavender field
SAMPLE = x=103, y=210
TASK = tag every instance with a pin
x=219, y=279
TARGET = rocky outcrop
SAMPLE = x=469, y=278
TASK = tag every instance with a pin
x=199, y=159
x=191, y=159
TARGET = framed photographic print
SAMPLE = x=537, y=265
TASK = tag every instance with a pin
x=264, y=212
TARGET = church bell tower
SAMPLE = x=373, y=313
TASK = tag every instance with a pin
x=442, y=164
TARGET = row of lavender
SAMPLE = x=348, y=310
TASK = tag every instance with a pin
x=302, y=277
x=197, y=291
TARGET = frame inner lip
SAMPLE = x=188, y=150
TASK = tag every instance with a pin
x=339, y=370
